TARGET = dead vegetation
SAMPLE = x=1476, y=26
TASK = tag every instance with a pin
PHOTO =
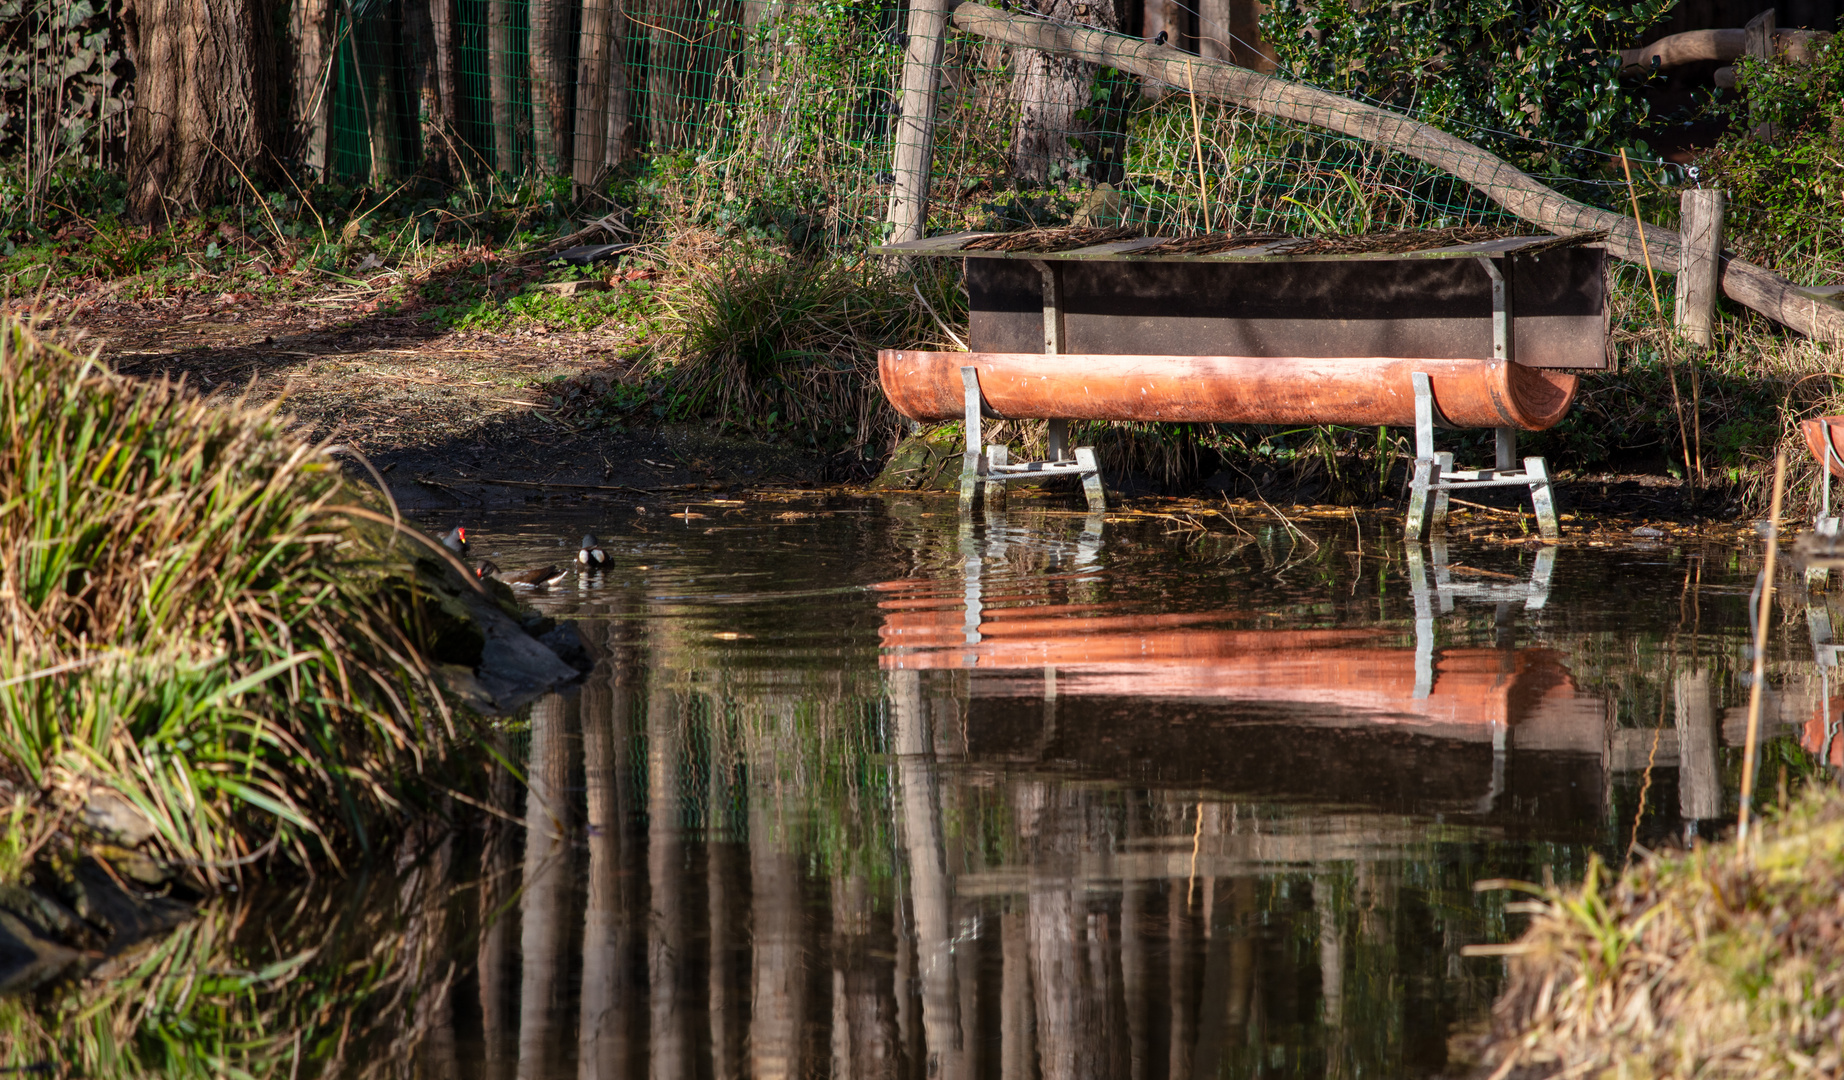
x=1718, y=963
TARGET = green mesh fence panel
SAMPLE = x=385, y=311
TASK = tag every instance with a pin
x=778, y=118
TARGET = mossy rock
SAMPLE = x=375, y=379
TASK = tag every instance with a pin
x=930, y=461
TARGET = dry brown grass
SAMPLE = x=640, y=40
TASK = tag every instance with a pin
x=1718, y=963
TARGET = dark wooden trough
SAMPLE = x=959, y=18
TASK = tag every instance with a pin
x=1398, y=329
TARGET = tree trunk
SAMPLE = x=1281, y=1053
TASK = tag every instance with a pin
x=551, y=31
x=670, y=75
x=380, y=54
x=428, y=26
x=621, y=143
x=592, y=97
x=500, y=87
x=312, y=33
x=1050, y=90
x=205, y=96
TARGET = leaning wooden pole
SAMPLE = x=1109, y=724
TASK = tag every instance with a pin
x=1743, y=282
x=915, y=123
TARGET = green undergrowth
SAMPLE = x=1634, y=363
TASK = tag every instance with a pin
x=203, y=618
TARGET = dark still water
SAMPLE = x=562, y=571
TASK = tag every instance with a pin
x=857, y=791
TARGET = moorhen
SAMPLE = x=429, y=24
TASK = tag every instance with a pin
x=592, y=556
x=455, y=540
x=536, y=578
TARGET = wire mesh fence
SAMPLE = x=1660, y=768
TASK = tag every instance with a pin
x=780, y=119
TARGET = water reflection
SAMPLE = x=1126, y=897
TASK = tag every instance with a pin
x=870, y=794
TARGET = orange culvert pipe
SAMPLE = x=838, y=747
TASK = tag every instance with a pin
x=1226, y=389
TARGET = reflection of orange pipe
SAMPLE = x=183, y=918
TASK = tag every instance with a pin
x=1342, y=670
x=1225, y=389
x=1813, y=737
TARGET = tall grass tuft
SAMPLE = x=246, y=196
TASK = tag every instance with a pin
x=776, y=343
x=191, y=620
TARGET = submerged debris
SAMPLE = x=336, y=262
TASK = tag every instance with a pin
x=1713, y=964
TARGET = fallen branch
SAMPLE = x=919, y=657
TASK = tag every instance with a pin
x=1717, y=46
x=1743, y=282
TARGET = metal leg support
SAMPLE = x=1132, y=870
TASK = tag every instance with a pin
x=1436, y=477
x=973, y=463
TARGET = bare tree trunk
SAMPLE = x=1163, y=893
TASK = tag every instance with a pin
x=205, y=95
x=311, y=30
x=1050, y=91
x=428, y=27
x=592, y=98
x=622, y=141
x=545, y=901
x=551, y=79
x=670, y=72
x=376, y=41
x=500, y=63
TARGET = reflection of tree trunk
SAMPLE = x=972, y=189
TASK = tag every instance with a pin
x=1017, y=1052
x=494, y=959
x=727, y=915
x=667, y=963
x=778, y=999
x=1699, y=784
x=607, y=718
x=1051, y=92
x=1136, y=994
x=422, y=895
x=544, y=905
x=931, y=892
x=500, y=61
x=1179, y=936
x=863, y=1030
x=1331, y=953
x=1068, y=1021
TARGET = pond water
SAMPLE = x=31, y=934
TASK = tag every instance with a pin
x=860, y=789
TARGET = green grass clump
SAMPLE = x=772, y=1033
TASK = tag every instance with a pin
x=195, y=618
x=1712, y=964
x=772, y=343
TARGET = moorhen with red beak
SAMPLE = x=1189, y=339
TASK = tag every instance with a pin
x=537, y=578
x=455, y=540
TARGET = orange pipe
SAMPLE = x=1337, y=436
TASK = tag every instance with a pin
x=1360, y=390
x=1814, y=431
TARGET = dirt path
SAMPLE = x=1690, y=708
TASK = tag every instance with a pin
x=452, y=418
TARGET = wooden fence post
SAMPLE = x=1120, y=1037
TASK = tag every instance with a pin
x=1699, y=263
x=915, y=125
x=1760, y=36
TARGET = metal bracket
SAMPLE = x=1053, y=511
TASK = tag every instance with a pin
x=1435, y=476
x=992, y=465
x=1057, y=433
